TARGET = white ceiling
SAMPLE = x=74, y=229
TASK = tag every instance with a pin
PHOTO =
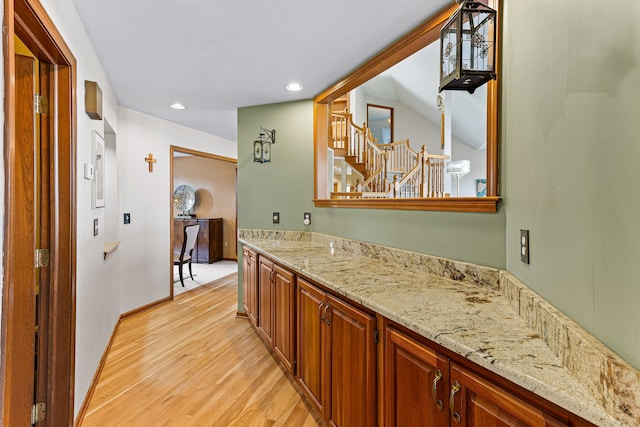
x=215, y=56
x=415, y=81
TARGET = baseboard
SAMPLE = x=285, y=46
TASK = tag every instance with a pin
x=144, y=308
x=242, y=314
x=94, y=381
x=230, y=259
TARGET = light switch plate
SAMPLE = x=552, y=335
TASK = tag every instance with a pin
x=95, y=227
x=88, y=171
x=524, y=246
x=306, y=220
x=127, y=218
x=276, y=217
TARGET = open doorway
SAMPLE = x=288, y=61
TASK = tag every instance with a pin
x=212, y=179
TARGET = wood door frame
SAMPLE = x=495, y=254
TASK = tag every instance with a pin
x=29, y=21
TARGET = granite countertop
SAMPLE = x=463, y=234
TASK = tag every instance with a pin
x=475, y=322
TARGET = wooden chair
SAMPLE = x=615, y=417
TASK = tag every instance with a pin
x=188, y=243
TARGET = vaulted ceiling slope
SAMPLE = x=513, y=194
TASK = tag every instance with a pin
x=215, y=56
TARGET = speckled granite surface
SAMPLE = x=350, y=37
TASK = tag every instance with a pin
x=480, y=313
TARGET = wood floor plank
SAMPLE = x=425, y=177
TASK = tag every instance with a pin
x=191, y=362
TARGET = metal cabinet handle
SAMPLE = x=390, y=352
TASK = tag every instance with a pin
x=327, y=320
x=434, y=390
x=320, y=312
x=455, y=387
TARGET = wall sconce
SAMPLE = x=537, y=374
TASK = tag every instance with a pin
x=262, y=145
x=467, y=47
x=458, y=168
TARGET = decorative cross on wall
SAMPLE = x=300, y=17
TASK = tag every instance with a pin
x=151, y=161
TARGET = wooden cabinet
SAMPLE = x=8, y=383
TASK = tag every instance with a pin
x=210, y=240
x=414, y=383
x=284, y=316
x=311, y=338
x=250, y=284
x=265, y=299
x=336, y=357
x=276, y=305
x=424, y=388
x=475, y=401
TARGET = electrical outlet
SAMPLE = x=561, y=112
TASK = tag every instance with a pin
x=306, y=220
x=127, y=218
x=95, y=227
x=524, y=246
x=276, y=217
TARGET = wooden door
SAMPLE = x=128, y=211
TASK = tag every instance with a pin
x=479, y=403
x=23, y=275
x=38, y=302
x=311, y=336
x=284, y=316
x=352, y=355
x=265, y=299
x=415, y=383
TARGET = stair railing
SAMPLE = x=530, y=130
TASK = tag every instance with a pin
x=339, y=130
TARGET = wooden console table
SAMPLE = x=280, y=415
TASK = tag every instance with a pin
x=209, y=243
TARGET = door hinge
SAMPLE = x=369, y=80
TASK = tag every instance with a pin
x=41, y=104
x=376, y=337
x=42, y=258
x=38, y=412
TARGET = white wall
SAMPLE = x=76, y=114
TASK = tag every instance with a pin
x=97, y=280
x=478, y=158
x=145, y=251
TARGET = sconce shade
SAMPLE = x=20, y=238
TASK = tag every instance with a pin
x=459, y=167
x=467, y=48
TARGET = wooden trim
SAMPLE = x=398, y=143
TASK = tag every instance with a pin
x=421, y=36
x=145, y=307
x=175, y=148
x=242, y=315
x=96, y=377
x=453, y=204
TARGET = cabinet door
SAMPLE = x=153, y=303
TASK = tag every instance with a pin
x=201, y=251
x=265, y=299
x=311, y=365
x=249, y=285
x=478, y=402
x=352, y=351
x=415, y=383
x=284, y=319
x=254, y=311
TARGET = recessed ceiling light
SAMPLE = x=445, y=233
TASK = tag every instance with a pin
x=177, y=106
x=293, y=87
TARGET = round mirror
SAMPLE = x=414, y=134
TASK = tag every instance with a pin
x=184, y=198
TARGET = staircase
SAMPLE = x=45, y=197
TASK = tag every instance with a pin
x=392, y=170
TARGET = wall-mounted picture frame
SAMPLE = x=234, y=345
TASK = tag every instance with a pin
x=97, y=158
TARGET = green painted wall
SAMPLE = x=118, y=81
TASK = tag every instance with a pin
x=286, y=184
x=571, y=126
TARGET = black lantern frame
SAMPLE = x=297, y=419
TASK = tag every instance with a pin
x=468, y=47
x=262, y=145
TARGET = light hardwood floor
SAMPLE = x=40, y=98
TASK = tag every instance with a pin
x=191, y=362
